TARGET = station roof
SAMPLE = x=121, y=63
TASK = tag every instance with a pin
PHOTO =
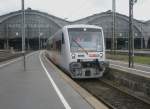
x=61, y=22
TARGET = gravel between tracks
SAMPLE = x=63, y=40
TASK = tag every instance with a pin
x=111, y=95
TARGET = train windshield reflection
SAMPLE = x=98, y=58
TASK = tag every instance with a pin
x=87, y=38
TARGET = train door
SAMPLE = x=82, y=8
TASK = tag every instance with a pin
x=63, y=51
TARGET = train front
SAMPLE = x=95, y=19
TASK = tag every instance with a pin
x=87, y=52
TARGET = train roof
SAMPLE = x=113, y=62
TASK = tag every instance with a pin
x=82, y=26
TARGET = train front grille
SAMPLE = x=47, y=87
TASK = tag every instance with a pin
x=87, y=73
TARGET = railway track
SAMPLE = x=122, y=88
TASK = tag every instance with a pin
x=7, y=55
x=112, y=96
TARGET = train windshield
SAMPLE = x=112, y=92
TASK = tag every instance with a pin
x=85, y=39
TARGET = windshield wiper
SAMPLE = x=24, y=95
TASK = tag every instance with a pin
x=80, y=46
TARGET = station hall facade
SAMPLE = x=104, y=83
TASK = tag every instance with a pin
x=39, y=26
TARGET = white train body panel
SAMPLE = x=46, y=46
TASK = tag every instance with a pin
x=78, y=61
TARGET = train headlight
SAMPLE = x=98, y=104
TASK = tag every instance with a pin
x=73, y=56
x=101, y=54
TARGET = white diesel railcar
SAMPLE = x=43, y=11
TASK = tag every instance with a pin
x=79, y=49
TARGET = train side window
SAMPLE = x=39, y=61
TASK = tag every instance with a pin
x=51, y=46
x=63, y=41
x=58, y=45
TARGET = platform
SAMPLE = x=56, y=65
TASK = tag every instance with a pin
x=139, y=69
x=39, y=87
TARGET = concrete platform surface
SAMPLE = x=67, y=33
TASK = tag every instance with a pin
x=34, y=89
x=142, y=70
